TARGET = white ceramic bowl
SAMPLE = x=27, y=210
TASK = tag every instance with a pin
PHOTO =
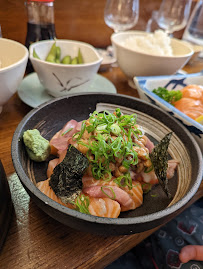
x=196, y=48
x=13, y=60
x=134, y=63
x=61, y=79
x=145, y=86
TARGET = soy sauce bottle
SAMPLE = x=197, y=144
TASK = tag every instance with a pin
x=40, y=23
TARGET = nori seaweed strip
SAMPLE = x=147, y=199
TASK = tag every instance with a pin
x=66, y=180
x=159, y=159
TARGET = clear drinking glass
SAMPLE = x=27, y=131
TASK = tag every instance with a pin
x=173, y=15
x=152, y=22
x=121, y=15
x=194, y=30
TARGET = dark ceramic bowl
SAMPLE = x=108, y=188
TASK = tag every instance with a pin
x=6, y=206
x=156, y=209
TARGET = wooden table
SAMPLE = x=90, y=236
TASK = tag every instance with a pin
x=34, y=239
x=37, y=241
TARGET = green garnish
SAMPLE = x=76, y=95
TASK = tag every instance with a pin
x=115, y=129
x=124, y=180
x=169, y=96
x=118, y=112
x=148, y=169
x=114, y=195
x=82, y=204
x=153, y=195
x=146, y=187
x=111, y=138
x=67, y=131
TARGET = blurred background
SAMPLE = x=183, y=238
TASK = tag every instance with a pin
x=85, y=17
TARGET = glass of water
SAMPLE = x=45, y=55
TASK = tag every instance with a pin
x=121, y=15
x=173, y=15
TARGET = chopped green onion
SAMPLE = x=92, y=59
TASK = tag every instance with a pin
x=118, y=112
x=100, y=128
x=124, y=180
x=115, y=129
x=114, y=195
x=148, y=169
x=82, y=204
x=70, y=129
x=90, y=128
x=101, y=144
x=149, y=186
x=110, y=118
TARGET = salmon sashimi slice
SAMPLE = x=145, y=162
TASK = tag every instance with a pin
x=193, y=91
x=62, y=155
x=172, y=165
x=52, y=164
x=112, y=192
x=101, y=207
x=61, y=139
x=44, y=187
x=136, y=193
x=104, y=207
x=191, y=107
x=149, y=145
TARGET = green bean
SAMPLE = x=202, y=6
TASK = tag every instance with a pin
x=66, y=60
x=51, y=57
x=74, y=60
x=35, y=55
x=58, y=54
x=54, y=56
x=80, y=57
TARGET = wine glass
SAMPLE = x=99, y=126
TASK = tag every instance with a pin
x=173, y=15
x=121, y=15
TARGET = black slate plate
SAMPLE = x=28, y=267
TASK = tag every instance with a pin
x=5, y=206
x=50, y=117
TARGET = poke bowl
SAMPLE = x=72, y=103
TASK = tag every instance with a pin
x=50, y=118
x=145, y=86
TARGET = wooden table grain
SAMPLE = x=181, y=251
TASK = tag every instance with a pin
x=35, y=240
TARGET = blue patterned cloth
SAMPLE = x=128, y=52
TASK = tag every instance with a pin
x=161, y=250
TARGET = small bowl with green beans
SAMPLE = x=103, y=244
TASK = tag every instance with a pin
x=64, y=66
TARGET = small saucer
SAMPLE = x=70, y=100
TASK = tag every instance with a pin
x=32, y=93
x=108, y=57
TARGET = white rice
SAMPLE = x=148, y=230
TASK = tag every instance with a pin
x=157, y=43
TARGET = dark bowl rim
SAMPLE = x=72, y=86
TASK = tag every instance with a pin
x=90, y=218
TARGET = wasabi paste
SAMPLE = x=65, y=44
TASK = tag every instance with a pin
x=37, y=147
